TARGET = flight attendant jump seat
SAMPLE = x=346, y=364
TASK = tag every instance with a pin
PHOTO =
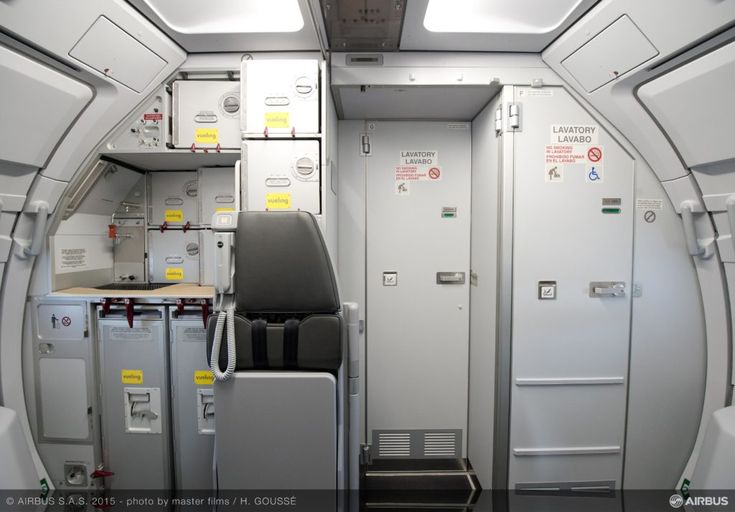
x=287, y=418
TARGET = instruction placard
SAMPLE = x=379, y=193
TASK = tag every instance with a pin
x=574, y=134
x=414, y=166
x=277, y=120
x=278, y=200
x=206, y=136
x=562, y=154
x=173, y=215
x=73, y=259
x=203, y=377
x=131, y=376
x=174, y=274
x=565, y=158
x=423, y=159
x=649, y=204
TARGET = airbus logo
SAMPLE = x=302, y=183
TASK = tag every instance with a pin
x=677, y=501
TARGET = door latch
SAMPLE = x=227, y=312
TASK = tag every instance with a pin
x=602, y=289
x=450, y=278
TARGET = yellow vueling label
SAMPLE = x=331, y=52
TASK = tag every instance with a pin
x=228, y=209
x=131, y=376
x=174, y=274
x=278, y=201
x=276, y=120
x=206, y=135
x=203, y=377
x=173, y=215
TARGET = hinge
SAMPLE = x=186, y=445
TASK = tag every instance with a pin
x=366, y=454
x=365, y=149
x=514, y=116
x=498, y=121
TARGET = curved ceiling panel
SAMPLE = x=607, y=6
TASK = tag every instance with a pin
x=480, y=25
x=234, y=25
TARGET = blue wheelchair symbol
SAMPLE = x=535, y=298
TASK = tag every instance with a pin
x=593, y=176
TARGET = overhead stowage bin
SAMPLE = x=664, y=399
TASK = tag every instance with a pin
x=206, y=114
x=173, y=256
x=281, y=97
x=281, y=175
x=173, y=198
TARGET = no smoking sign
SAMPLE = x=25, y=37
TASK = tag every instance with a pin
x=594, y=154
x=435, y=173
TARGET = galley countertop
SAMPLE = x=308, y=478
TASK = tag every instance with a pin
x=180, y=290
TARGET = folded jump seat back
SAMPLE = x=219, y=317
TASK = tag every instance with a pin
x=286, y=299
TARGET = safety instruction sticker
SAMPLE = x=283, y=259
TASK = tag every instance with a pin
x=74, y=258
x=203, y=377
x=278, y=200
x=206, y=135
x=649, y=204
x=593, y=173
x=173, y=215
x=565, y=154
x=574, y=134
x=277, y=120
x=560, y=159
x=174, y=274
x=544, y=92
x=554, y=173
x=131, y=376
x=414, y=166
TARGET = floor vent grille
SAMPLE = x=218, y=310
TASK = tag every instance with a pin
x=417, y=444
x=394, y=444
x=440, y=444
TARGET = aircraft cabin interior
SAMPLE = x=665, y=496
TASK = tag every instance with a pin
x=462, y=255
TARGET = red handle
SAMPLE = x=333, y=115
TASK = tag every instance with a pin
x=129, y=311
x=205, y=312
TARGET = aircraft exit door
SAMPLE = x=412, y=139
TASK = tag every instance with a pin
x=418, y=253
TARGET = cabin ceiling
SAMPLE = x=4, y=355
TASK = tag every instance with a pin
x=364, y=25
x=233, y=25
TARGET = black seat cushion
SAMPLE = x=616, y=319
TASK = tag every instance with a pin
x=319, y=343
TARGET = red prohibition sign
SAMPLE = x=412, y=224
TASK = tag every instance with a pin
x=66, y=321
x=434, y=173
x=594, y=154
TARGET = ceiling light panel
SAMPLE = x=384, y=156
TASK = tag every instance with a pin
x=229, y=16
x=497, y=16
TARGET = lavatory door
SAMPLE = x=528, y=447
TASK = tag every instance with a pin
x=572, y=246
x=135, y=405
x=418, y=256
x=193, y=400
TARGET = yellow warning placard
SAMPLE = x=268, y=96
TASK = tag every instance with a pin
x=206, y=135
x=203, y=377
x=228, y=209
x=277, y=120
x=174, y=215
x=131, y=376
x=174, y=274
x=278, y=200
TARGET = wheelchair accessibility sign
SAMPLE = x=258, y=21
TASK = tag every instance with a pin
x=594, y=173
